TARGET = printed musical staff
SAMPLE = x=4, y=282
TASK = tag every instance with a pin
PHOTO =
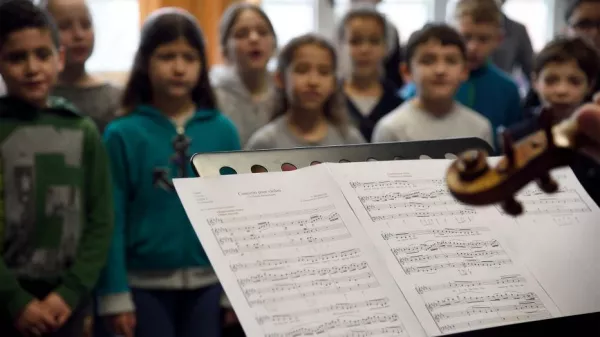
x=303, y=241
x=566, y=200
x=461, y=299
x=528, y=307
x=280, y=230
x=393, y=201
x=392, y=196
x=503, y=282
x=264, y=216
x=398, y=183
x=343, y=308
x=446, y=232
x=464, y=305
x=291, y=292
x=268, y=277
x=312, y=259
x=410, y=205
x=492, y=321
x=441, y=244
x=422, y=214
x=327, y=327
x=459, y=260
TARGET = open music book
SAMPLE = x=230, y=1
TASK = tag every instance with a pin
x=382, y=249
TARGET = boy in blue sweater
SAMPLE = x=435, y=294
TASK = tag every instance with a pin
x=564, y=75
x=488, y=90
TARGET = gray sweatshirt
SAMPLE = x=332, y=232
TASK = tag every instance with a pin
x=101, y=102
x=276, y=135
x=235, y=101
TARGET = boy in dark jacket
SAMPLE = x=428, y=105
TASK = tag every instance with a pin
x=583, y=20
x=55, y=193
x=564, y=75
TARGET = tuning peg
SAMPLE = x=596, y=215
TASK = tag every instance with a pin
x=512, y=207
x=508, y=148
x=472, y=165
x=546, y=122
x=547, y=184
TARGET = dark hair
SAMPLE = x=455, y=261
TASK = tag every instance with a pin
x=335, y=107
x=565, y=49
x=445, y=34
x=17, y=15
x=229, y=18
x=362, y=12
x=572, y=6
x=164, y=26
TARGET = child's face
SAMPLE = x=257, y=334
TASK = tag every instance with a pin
x=310, y=78
x=366, y=42
x=30, y=64
x=585, y=22
x=174, y=69
x=251, y=43
x=76, y=32
x=562, y=86
x=437, y=70
x=481, y=39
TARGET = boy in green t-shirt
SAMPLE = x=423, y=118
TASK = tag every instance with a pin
x=55, y=193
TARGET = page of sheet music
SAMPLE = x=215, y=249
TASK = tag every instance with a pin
x=291, y=256
x=557, y=237
x=451, y=265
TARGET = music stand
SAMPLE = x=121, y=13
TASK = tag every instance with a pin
x=212, y=164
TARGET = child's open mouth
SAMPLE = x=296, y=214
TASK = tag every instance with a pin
x=256, y=55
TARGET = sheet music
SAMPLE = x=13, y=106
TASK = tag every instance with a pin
x=452, y=266
x=292, y=257
x=560, y=243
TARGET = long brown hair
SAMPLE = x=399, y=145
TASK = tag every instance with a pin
x=164, y=26
x=335, y=108
x=230, y=17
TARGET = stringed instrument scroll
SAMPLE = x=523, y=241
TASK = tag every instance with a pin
x=471, y=180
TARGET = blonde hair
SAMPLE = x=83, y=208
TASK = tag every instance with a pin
x=480, y=11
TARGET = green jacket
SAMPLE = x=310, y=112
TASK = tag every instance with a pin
x=56, y=211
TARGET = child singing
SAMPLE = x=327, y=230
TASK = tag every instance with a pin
x=158, y=280
x=310, y=110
